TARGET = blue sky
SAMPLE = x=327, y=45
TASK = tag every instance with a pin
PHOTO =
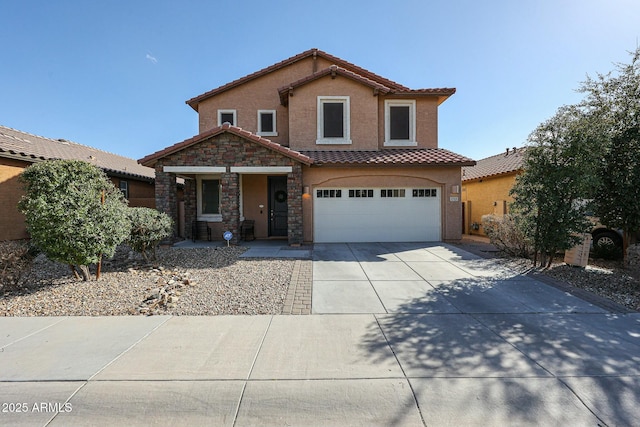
x=115, y=74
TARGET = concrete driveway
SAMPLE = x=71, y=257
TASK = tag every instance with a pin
x=401, y=334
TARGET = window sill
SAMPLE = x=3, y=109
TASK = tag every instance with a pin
x=267, y=134
x=333, y=141
x=210, y=218
x=400, y=143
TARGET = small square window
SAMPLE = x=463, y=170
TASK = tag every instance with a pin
x=361, y=193
x=267, y=123
x=395, y=192
x=425, y=192
x=227, y=116
x=328, y=194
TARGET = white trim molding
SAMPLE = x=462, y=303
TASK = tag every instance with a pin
x=195, y=169
x=261, y=169
x=235, y=117
x=411, y=142
x=346, y=120
x=274, y=132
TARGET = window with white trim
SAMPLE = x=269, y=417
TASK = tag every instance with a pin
x=208, y=198
x=334, y=120
x=267, y=123
x=400, y=122
x=227, y=116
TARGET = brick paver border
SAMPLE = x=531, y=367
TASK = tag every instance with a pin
x=298, y=299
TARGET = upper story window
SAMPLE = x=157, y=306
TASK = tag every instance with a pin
x=400, y=122
x=267, y=123
x=227, y=116
x=334, y=120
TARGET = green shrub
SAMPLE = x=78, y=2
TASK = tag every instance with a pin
x=73, y=212
x=148, y=228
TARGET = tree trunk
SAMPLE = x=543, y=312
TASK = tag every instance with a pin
x=86, y=274
x=74, y=271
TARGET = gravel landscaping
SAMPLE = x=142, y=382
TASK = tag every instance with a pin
x=202, y=281
x=213, y=281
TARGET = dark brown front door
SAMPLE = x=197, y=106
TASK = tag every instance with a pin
x=278, y=208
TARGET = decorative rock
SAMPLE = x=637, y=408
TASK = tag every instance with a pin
x=633, y=257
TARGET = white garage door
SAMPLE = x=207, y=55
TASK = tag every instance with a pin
x=377, y=215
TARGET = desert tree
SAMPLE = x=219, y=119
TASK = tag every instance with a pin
x=613, y=99
x=549, y=196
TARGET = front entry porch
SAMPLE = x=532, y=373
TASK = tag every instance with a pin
x=219, y=199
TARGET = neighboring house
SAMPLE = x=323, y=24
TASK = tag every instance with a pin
x=19, y=149
x=486, y=186
x=316, y=149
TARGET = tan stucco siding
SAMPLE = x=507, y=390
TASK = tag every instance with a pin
x=446, y=178
x=12, y=221
x=258, y=94
x=484, y=197
x=363, y=112
x=426, y=121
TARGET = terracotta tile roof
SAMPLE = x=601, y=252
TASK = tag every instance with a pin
x=333, y=71
x=32, y=148
x=390, y=157
x=151, y=159
x=394, y=86
x=500, y=164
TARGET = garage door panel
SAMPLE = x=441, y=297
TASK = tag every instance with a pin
x=377, y=219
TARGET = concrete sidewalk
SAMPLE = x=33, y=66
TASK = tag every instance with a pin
x=434, y=336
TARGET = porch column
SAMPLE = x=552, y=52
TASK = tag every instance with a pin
x=294, y=201
x=190, y=208
x=167, y=195
x=230, y=204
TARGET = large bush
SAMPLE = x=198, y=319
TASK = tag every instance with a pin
x=74, y=214
x=504, y=234
x=148, y=228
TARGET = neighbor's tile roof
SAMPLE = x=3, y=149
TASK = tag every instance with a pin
x=507, y=162
x=32, y=148
x=151, y=159
x=390, y=157
x=345, y=65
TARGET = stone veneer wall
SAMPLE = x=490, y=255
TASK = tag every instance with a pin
x=167, y=195
x=294, y=206
x=190, y=207
x=227, y=150
x=230, y=204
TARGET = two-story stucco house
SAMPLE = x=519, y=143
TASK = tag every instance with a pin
x=316, y=149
